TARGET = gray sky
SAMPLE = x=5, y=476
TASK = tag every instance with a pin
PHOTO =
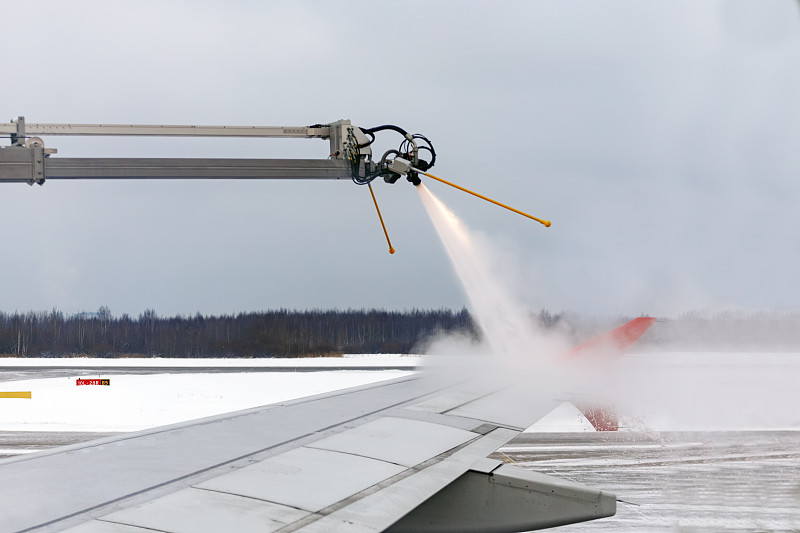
x=661, y=138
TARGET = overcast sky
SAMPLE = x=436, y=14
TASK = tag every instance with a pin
x=661, y=138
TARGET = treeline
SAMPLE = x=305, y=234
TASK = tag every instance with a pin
x=285, y=333
x=279, y=333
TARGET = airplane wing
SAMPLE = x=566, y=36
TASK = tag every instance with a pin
x=408, y=454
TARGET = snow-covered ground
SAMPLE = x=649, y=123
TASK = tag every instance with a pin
x=139, y=401
x=134, y=402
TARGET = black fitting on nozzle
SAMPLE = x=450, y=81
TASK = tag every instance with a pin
x=413, y=176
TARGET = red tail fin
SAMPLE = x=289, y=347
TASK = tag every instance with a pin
x=613, y=343
x=618, y=340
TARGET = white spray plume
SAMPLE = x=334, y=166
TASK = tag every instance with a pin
x=511, y=334
x=669, y=391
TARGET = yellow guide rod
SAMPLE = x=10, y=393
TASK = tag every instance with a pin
x=546, y=223
x=378, y=209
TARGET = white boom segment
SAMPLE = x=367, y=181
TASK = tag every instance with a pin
x=27, y=159
x=13, y=128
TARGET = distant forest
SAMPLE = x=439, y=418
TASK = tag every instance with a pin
x=285, y=333
x=279, y=333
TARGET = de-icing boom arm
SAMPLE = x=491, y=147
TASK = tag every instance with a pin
x=27, y=159
x=350, y=156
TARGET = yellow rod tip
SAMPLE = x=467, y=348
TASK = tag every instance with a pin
x=391, y=250
x=546, y=223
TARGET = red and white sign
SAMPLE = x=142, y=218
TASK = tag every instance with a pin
x=104, y=381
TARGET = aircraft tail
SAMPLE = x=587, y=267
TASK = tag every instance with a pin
x=617, y=341
x=612, y=344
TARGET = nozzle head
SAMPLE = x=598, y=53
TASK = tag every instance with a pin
x=391, y=250
x=546, y=223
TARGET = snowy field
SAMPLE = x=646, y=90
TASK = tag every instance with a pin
x=139, y=401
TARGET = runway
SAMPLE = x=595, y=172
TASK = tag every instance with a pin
x=729, y=481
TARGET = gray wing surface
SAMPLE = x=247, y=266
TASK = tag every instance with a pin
x=408, y=454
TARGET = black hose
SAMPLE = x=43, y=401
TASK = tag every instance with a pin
x=398, y=129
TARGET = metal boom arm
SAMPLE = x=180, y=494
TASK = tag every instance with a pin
x=27, y=159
